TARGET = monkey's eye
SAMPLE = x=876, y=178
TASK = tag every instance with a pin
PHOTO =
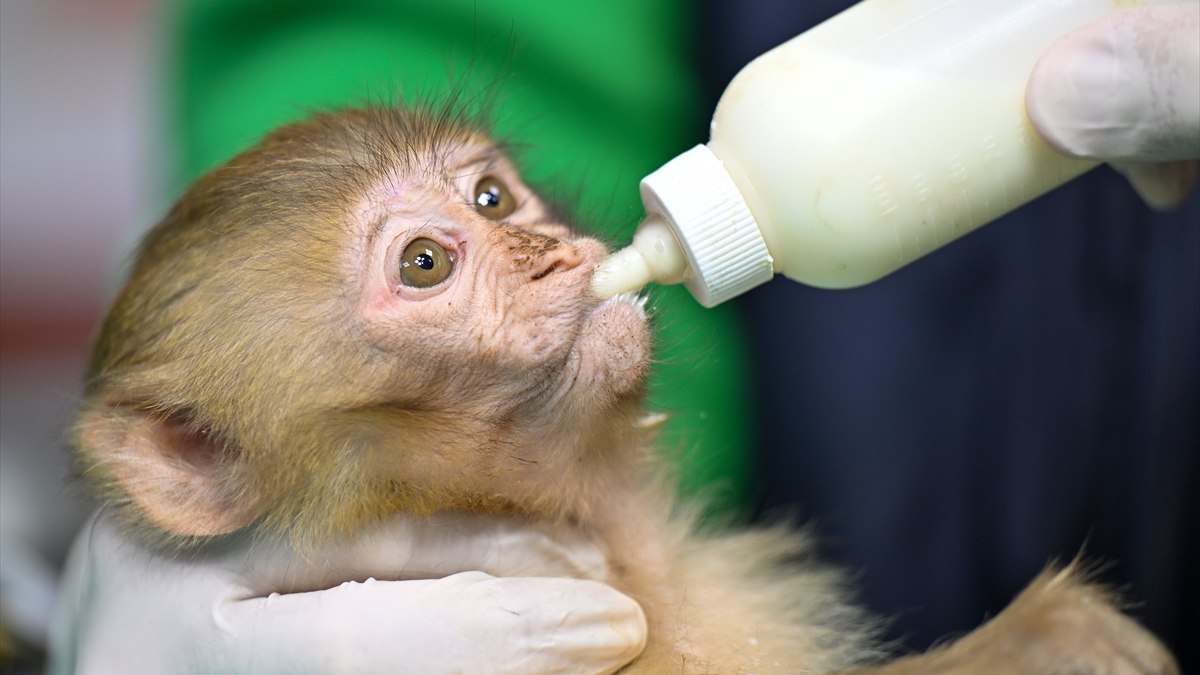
x=424, y=263
x=492, y=198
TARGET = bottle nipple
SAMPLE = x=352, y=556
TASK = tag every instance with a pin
x=654, y=255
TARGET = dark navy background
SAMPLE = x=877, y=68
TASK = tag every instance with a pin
x=1027, y=392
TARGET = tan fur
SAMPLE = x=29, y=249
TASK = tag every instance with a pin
x=264, y=368
x=1059, y=624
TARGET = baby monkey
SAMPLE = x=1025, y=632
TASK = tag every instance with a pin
x=370, y=313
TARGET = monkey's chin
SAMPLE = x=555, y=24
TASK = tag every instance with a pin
x=613, y=348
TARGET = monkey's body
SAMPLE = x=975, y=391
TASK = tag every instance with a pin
x=740, y=603
x=755, y=601
x=369, y=313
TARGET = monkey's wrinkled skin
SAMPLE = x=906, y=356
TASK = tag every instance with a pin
x=370, y=313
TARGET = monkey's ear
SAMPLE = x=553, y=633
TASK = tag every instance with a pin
x=178, y=477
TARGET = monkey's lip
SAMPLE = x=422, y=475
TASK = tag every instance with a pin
x=629, y=298
x=623, y=309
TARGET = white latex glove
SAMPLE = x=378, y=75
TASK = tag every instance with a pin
x=1126, y=90
x=257, y=607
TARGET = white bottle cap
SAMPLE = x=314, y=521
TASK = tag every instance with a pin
x=712, y=222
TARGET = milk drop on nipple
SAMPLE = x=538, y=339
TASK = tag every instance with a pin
x=654, y=255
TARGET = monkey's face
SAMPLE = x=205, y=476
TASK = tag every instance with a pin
x=368, y=311
x=469, y=269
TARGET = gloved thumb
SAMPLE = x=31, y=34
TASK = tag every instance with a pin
x=1126, y=89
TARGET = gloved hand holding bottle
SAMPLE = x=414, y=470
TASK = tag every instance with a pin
x=896, y=127
x=1126, y=90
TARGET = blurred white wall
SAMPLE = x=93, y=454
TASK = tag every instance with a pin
x=78, y=143
x=77, y=129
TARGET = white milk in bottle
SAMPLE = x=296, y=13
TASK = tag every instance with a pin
x=891, y=129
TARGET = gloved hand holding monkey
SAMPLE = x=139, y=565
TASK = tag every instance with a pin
x=261, y=607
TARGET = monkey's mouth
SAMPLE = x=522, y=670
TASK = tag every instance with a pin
x=629, y=298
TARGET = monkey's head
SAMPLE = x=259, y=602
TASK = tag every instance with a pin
x=369, y=311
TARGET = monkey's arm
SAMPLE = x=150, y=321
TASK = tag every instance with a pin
x=129, y=609
x=1058, y=624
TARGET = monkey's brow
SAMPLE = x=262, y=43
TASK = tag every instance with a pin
x=481, y=161
x=375, y=229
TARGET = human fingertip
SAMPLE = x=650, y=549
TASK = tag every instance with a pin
x=625, y=629
x=1162, y=186
x=1071, y=97
x=634, y=630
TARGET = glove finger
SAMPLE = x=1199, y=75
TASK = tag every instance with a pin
x=1126, y=87
x=465, y=623
x=571, y=625
x=1162, y=186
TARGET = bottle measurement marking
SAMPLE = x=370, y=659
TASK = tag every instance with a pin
x=885, y=205
x=922, y=195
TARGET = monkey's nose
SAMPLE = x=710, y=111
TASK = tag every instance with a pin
x=535, y=255
x=559, y=258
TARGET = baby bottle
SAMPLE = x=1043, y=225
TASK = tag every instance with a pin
x=861, y=145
